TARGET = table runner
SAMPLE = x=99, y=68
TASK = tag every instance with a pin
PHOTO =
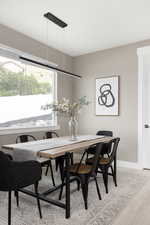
x=30, y=150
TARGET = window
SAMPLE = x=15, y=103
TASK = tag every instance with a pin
x=24, y=88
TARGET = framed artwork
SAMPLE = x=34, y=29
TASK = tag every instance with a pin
x=107, y=96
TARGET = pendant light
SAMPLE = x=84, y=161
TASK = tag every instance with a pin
x=61, y=24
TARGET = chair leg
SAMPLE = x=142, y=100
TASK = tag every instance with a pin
x=37, y=197
x=61, y=167
x=114, y=176
x=78, y=185
x=97, y=187
x=9, y=208
x=71, y=157
x=56, y=163
x=52, y=175
x=46, y=170
x=17, y=198
x=84, y=186
x=59, y=161
x=61, y=190
x=115, y=170
x=105, y=178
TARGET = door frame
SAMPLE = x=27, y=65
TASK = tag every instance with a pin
x=141, y=52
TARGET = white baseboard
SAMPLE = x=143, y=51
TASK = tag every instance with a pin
x=127, y=164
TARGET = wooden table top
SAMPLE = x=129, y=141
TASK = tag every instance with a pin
x=60, y=150
x=53, y=153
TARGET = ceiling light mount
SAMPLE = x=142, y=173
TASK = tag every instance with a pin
x=55, y=20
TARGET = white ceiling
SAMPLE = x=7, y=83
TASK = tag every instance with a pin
x=92, y=24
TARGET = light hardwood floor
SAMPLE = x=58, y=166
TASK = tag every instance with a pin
x=137, y=211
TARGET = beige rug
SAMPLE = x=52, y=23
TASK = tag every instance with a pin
x=104, y=212
x=137, y=212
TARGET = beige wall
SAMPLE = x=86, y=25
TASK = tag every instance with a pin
x=120, y=61
x=21, y=42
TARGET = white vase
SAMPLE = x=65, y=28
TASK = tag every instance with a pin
x=73, y=127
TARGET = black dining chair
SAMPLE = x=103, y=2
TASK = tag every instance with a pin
x=105, y=163
x=44, y=162
x=16, y=175
x=106, y=147
x=83, y=173
x=50, y=134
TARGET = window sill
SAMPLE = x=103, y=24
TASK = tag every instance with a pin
x=6, y=131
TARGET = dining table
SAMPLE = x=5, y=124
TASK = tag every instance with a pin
x=51, y=149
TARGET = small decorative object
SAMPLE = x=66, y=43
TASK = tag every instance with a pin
x=107, y=96
x=71, y=110
x=73, y=127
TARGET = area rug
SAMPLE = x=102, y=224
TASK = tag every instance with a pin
x=103, y=212
x=137, y=211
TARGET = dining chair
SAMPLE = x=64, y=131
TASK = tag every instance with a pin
x=50, y=134
x=104, y=163
x=44, y=162
x=83, y=173
x=16, y=175
x=106, y=147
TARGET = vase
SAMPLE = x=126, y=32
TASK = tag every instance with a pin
x=73, y=126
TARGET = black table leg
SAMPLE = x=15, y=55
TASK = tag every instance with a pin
x=67, y=159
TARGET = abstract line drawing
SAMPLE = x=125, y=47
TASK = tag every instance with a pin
x=107, y=96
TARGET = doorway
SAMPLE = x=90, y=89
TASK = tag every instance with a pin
x=144, y=107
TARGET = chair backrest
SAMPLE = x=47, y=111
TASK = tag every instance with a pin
x=97, y=154
x=25, y=138
x=95, y=158
x=4, y=160
x=114, y=146
x=50, y=134
x=14, y=174
x=5, y=164
x=105, y=133
x=106, y=147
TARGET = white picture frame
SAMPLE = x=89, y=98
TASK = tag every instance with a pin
x=107, y=96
